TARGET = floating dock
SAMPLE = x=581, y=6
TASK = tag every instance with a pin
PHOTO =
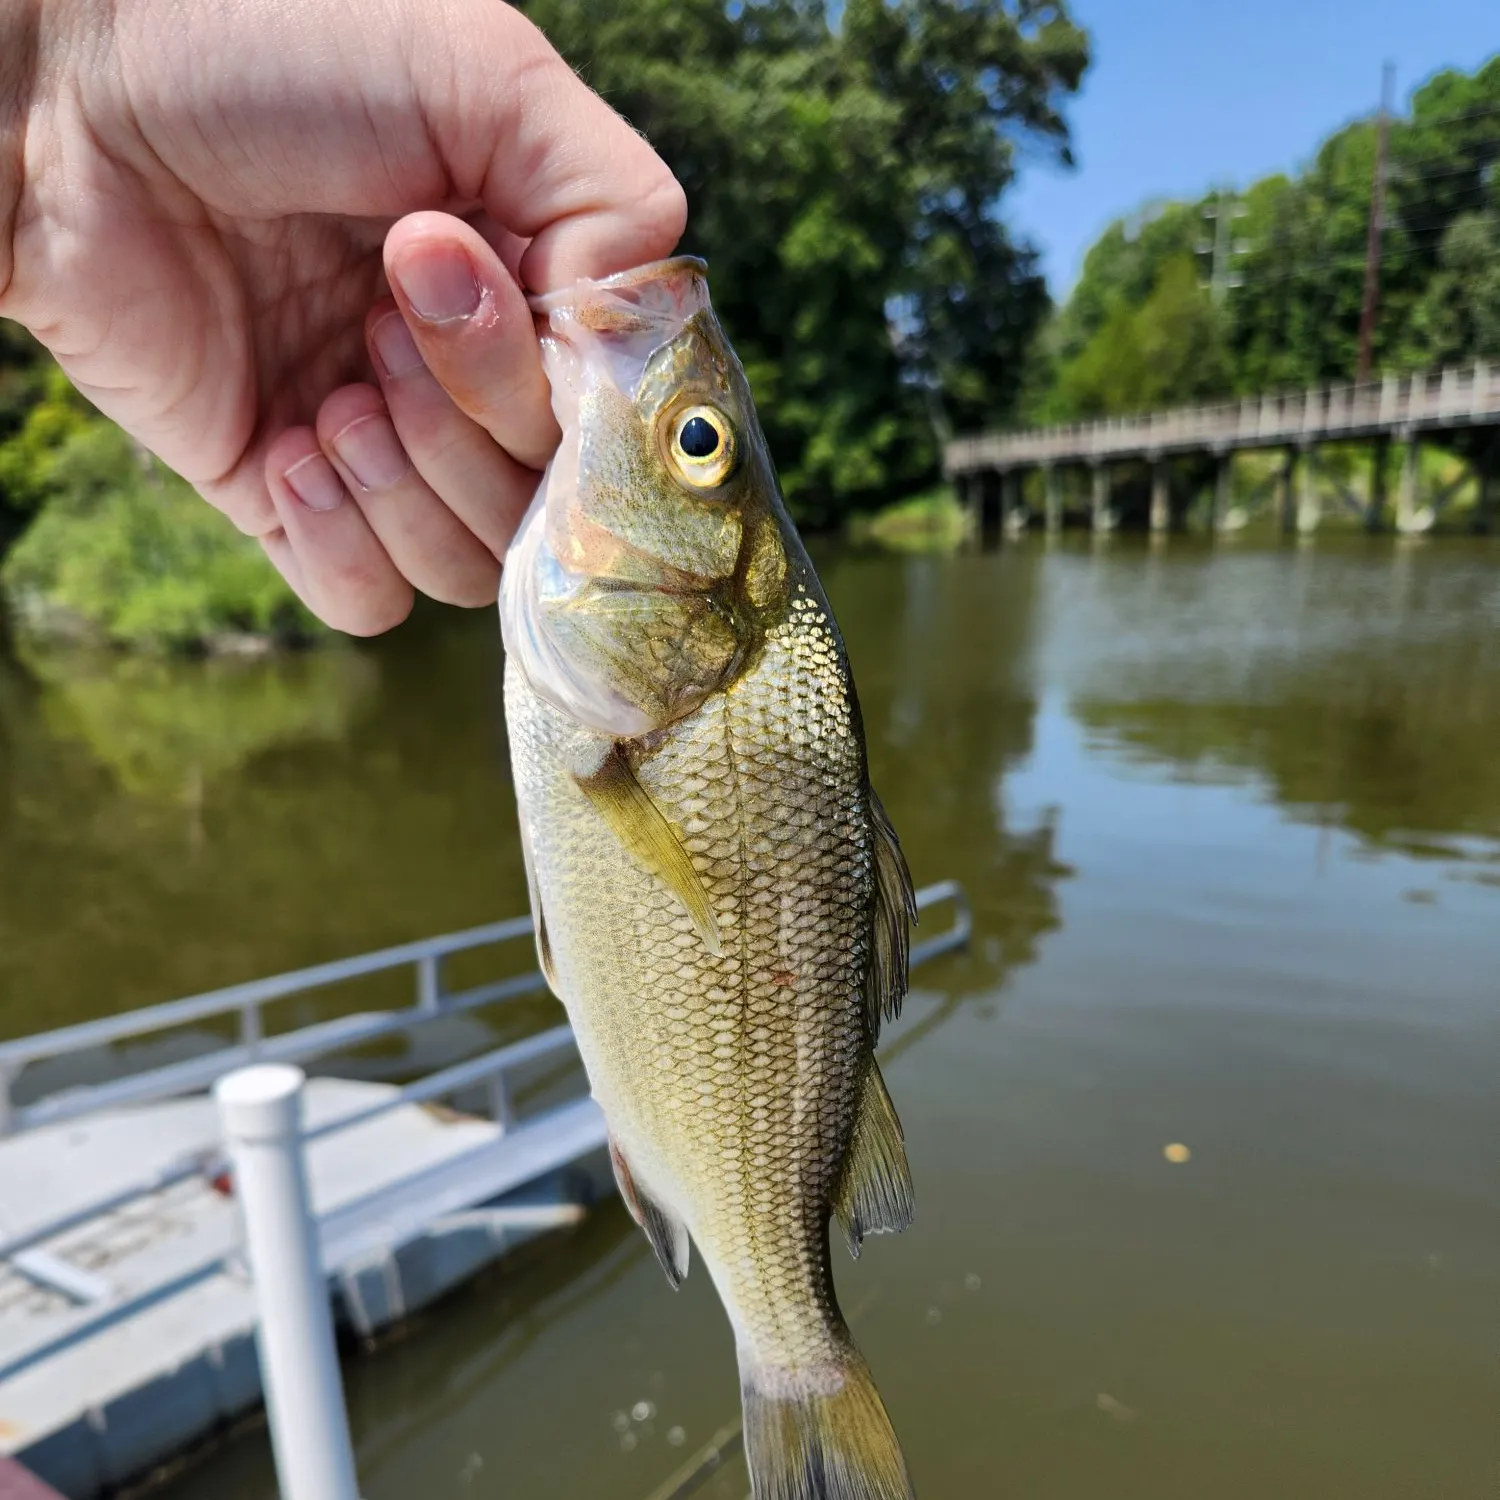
x=127, y=1315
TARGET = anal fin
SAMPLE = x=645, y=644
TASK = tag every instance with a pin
x=667, y=1233
x=875, y=1195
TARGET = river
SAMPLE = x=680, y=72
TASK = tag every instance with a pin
x=1204, y=1127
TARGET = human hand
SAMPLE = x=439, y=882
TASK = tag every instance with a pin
x=210, y=205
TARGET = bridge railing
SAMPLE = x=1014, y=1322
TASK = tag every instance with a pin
x=1427, y=399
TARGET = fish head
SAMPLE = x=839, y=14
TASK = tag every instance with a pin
x=642, y=577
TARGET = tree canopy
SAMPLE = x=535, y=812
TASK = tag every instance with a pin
x=843, y=166
x=1141, y=330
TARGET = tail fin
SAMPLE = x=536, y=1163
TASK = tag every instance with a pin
x=820, y=1435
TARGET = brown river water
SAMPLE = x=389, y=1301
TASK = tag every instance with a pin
x=1230, y=820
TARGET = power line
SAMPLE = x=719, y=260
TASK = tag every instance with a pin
x=1305, y=269
x=1404, y=238
x=1428, y=226
x=1475, y=166
x=1479, y=111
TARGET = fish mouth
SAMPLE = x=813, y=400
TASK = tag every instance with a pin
x=679, y=268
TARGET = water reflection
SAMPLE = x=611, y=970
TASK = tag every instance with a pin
x=1177, y=750
x=168, y=729
x=943, y=651
x=166, y=829
x=1361, y=689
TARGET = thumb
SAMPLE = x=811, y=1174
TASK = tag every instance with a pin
x=547, y=157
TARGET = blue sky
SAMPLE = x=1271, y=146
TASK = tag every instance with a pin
x=1183, y=94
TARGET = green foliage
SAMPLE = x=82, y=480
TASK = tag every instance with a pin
x=1169, y=348
x=32, y=451
x=843, y=176
x=124, y=550
x=1137, y=333
x=23, y=368
x=36, y=407
x=933, y=521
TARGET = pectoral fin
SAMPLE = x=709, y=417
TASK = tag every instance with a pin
x=639, y=825
x=875, y=1196
x=890, y=938
x=667, y=1233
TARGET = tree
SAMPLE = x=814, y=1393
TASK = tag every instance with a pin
x=125, y=552
x=1293, y=318
x=843, y=177
x=24, y=376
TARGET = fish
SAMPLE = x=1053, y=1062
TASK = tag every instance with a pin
x=720, y=901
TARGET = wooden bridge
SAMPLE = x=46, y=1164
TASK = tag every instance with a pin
x=1457, y=407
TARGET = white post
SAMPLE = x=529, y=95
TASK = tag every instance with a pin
x=260, y=1109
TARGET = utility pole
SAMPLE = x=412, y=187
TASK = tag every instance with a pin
x=1377, y=224
x=1224, y=210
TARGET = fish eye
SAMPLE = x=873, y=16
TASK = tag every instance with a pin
x=702, y=446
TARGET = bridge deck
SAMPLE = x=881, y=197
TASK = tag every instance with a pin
x=1396, y=407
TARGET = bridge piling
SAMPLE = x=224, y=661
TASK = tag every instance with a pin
x=991, y=507
x=1161, y=496
x=1052, y=484
x=1100, y=514
x=1380, y=451
x=1407, y=498
x=1223, y=493
x=1309, y=503
x=1012, y=506
x=1286, y=492
x=1489, y=482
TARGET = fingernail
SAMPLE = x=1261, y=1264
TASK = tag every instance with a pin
x=439, y=282
x=395, y=348
x=315, y=482
x=372, y=452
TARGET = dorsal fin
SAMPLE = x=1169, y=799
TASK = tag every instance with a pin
x=875, y=1193
x=641, y=827
x=667, y=1233
x=890, y=937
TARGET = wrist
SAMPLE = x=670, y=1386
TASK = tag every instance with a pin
x=20, y=49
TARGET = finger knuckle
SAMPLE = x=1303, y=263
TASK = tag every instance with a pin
x=476, y=592
x=356, y=606
x=665, y=204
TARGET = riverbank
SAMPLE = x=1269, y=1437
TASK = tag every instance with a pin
x=120, y=552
